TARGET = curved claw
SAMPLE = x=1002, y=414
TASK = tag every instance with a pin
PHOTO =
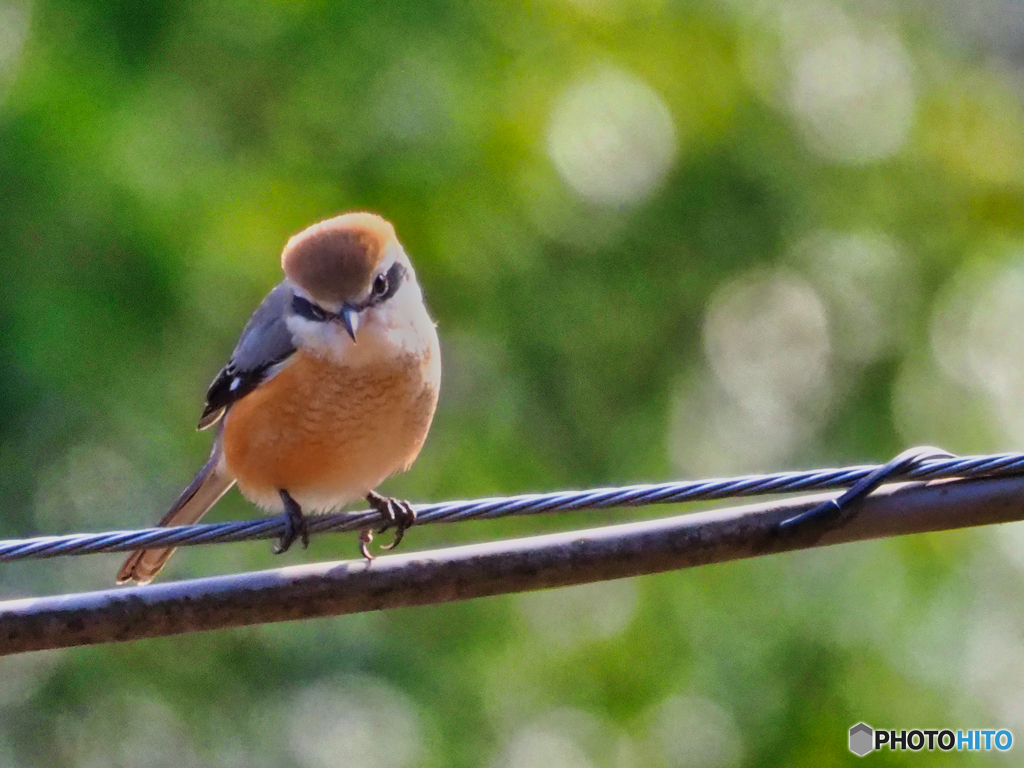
x=295, y=526
x=284, y=543
x=365, y=537
x=399, y=534
x=395, y=512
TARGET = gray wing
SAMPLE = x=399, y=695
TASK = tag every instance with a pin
x=265, y=342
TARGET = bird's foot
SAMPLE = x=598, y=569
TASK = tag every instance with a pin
x=295, y=526
x=396, y=512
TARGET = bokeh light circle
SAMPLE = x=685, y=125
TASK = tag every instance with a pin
x=612, y=138
x=853, y=99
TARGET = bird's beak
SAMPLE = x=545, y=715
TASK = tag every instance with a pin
x=349, y=317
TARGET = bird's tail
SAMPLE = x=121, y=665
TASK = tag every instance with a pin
x=206, y=488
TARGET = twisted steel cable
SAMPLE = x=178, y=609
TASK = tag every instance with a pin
x=920, y=464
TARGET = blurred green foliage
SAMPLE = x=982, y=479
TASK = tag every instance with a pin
x=660, y=239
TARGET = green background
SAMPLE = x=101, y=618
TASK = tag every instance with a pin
x=660, y=240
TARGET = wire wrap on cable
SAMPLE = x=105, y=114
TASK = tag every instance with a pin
x=925, y=467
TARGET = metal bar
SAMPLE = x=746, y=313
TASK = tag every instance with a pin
x=501, y=567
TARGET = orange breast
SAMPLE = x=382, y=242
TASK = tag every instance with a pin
x=329, y=434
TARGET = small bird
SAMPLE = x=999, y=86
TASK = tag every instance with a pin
x=330, y=390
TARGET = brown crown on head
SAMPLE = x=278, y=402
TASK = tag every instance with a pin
x=335, y=260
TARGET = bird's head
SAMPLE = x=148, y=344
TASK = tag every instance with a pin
x=350, y=271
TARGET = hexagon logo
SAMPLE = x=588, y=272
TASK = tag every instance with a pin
x=862, y=739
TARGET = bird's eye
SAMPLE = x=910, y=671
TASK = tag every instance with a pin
x=308, y=310
x=380, y=285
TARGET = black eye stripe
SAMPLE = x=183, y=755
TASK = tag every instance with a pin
x=308, y=310
x=394, y=277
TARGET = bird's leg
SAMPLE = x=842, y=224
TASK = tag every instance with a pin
x=395, y=512
x=294, y=525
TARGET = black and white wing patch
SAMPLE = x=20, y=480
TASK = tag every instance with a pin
x=265, y=342
x=230, y=385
